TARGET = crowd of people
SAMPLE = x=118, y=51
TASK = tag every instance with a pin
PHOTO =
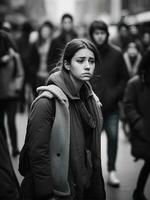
x=74, y=83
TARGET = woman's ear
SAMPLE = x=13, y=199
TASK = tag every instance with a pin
x=67, y=65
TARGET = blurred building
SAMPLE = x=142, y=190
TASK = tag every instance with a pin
x=83, y=10
x=137, y=13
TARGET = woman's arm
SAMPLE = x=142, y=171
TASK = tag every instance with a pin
x=39, y=131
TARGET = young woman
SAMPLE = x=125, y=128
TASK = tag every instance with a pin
x=137, y=110
x=62, y=146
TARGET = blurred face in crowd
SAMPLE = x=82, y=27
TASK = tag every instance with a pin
x=133, y=30
x=82, y=65
x=67, y=24
x=46, y=32
x=132, y=49
x=99, y=36
x=146, y=38
x=124, y=31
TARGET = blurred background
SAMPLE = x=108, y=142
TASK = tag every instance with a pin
x=135, y=12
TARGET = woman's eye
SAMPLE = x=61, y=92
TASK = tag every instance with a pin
x=92, y=61
x=80, y=61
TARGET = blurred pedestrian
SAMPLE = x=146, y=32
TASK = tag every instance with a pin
x=9, y=186
x=137, y=110
x=123, y=36
x=67, y=33
x=82, y=31
x=11, y=80
x=8, y=28
x=23, y=44
x=132, y=57
x=135, y=36
x=39, y=56
x=109, y=87
x=145, y=41
x=62, y=147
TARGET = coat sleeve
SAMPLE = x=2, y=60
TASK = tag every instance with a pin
x=39, y=131
x=130, y=107
x=122, y=76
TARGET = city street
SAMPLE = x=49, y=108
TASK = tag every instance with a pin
x=127, y=169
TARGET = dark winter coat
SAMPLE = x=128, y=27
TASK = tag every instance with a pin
x=24, y=45
x=84, y=141
x=137, y=110
x=9, y=186
x=113, y=75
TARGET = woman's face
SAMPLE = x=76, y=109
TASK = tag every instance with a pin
x=82, y=65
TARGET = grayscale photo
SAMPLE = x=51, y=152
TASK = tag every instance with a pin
x=74, y=100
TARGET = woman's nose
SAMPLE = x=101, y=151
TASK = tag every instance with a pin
x=87, y=65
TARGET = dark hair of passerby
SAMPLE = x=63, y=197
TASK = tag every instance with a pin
x=67, y=15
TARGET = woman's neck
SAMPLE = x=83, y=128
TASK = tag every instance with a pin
x=77, y=83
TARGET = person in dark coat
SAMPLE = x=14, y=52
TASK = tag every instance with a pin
x=62, y=144
x=9, y=186
x=108, y=84
x=123, y=36
x=11, y=80
x=67, y=33
x=39, y=56
x=23, y=44
x=137, y=110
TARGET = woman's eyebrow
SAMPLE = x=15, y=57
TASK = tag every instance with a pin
x=85, y=57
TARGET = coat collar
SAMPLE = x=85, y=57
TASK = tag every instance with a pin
x=62, y=80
